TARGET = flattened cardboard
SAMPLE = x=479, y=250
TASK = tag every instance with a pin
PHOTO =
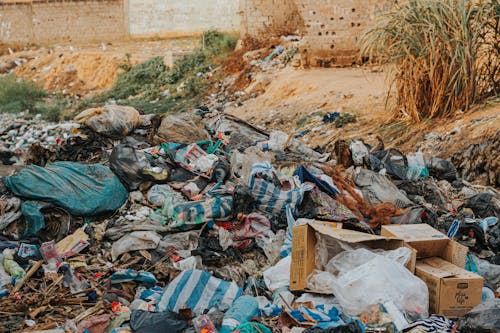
x=304, y=252
x=428, y=242
x=453, y=291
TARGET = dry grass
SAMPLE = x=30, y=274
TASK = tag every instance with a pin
x=447, y=54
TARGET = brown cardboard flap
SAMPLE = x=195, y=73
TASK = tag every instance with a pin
x=442, y=266
x=455, y=253
x=412, y=232
x=428, y=242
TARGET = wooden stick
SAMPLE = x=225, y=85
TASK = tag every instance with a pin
x=30, y=272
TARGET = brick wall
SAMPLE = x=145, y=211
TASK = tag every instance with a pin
x=330, y=28
x=53, y=21
x=182, y=17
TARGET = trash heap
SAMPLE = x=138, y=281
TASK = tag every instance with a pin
x=201, y=222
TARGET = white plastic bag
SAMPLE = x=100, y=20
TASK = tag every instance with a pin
x=348, y=260
x=320, y=282
x=381, y=280
x=416, y=164
x=278, y=276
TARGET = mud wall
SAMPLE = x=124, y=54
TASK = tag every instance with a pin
x=53, y=21
x=181, y=17
x=331, y=28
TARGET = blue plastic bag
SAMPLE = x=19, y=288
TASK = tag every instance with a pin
x=198, y=291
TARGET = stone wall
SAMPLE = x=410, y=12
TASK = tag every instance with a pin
x=54, y=21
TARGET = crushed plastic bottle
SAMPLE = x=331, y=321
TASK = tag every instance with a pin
x=203, y=324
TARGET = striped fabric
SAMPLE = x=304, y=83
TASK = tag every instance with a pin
x=433, y=324
x=199, y=291
x=269, y=198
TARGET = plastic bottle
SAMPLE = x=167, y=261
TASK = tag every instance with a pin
x=5, y=279
x=243, y=309
x=203, y=324
x=11, y=267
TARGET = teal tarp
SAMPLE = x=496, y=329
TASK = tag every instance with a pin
x=83, y=190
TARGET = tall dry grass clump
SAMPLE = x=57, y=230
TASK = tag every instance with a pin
x=446, y=54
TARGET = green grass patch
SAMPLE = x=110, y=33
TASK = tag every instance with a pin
x=152, y=87
x=17, y=95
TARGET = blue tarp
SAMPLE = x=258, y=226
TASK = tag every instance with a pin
x=82, y=190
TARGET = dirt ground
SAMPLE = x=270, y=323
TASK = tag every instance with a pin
x=296, y=100
x=86, y=69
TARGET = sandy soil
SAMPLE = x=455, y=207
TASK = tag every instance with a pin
x=296, y=100
x=86, y=69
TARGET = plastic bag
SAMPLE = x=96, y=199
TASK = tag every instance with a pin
x=10, y=211
x=151, y=322
x=157, y=194
x=441, y=168
x=320, y=281
x=377, y=188
x=243, y=309
x=115, y=121
x=381, y=280
x=183, y=128
x=348, y=260
x=137, y=240
x=392, y=160
x=268, y=196
x=278, y=276
x=483, y=318
x=186, y=215
x=198, y=291
x=127, y=163
x=416, y=167
x=359, y=152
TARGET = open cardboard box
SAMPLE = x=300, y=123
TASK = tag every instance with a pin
x=428, y=242
x=304, y=248
x=453, y=291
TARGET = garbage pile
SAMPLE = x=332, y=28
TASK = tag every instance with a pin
x=201, y=222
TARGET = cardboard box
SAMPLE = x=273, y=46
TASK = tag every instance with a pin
x=428, y=242
x=304, y=248
x=453, y=291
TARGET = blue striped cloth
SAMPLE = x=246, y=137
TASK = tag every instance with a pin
x=269, y=198
x=199, y=291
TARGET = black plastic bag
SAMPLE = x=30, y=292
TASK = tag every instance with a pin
x=156, y=322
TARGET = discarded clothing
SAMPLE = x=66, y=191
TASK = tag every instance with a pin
x=83, y=190
x=305, y=176
x=433, y=324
